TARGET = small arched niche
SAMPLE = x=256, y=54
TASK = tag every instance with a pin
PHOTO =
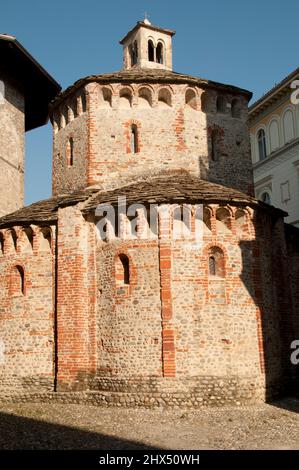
x=125, y=98
x=236, y=108
x=241, y=222
x=223, y=220
x=144, y=97
x=181, y=222
x=64, y=116
x=56, y=121
x=206, y=102
x=106, y=97
x=203, y=221
x=190, y=99
x=164, y=98
x=28, y=239
x=45, y=239
x=221, y=104
x=74, y=107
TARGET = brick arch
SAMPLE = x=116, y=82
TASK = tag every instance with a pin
x=165, y=95
x=189, y=101
x=126, y=95
x=126, y=86
x=149, y=91
x=151, y=38
x=210, y=249
x=105, y=93
x=128, y=126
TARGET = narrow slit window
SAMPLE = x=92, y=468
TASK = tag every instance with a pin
x=134, y=139
x=216, y=262
x=212, y=266
x=214, y=146
x=70, y=152
x=122, y=270
x=18, y=281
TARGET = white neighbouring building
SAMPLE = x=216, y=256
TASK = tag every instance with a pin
x=274, y=131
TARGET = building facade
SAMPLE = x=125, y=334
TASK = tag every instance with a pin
x=274, y=129
x=152, y=276
x=26, y=90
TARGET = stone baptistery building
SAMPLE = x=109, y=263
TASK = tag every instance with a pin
x=122, y=310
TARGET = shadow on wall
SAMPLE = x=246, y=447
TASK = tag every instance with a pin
x=226, y=159
x=265, y=277
x=18, y=432
x=266, y=273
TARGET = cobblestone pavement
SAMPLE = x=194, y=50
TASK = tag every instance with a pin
x=61, y=426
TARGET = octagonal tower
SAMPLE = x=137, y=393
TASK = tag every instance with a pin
x=146, y=118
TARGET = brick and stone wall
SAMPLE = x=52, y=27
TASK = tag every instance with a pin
x=76, y=300
x=70, y=122
x=173, y=130
x=176, y=328
x=27, y=300
x=12, y=130
x=151, y=318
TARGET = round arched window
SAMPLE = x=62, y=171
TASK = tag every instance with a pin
x=265, y=197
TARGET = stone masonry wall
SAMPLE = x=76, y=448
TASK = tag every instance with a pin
x=219, y=329
x=172, y=131
x=12, y=131
x=129, y=317
x=69, y=125
x=27, y=309
x=76, y=300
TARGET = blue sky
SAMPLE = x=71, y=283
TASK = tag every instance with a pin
x=250, y=44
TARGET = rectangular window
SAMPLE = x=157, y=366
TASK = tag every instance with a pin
x=285, y=191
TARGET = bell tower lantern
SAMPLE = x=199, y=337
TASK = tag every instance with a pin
x=147, y=46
